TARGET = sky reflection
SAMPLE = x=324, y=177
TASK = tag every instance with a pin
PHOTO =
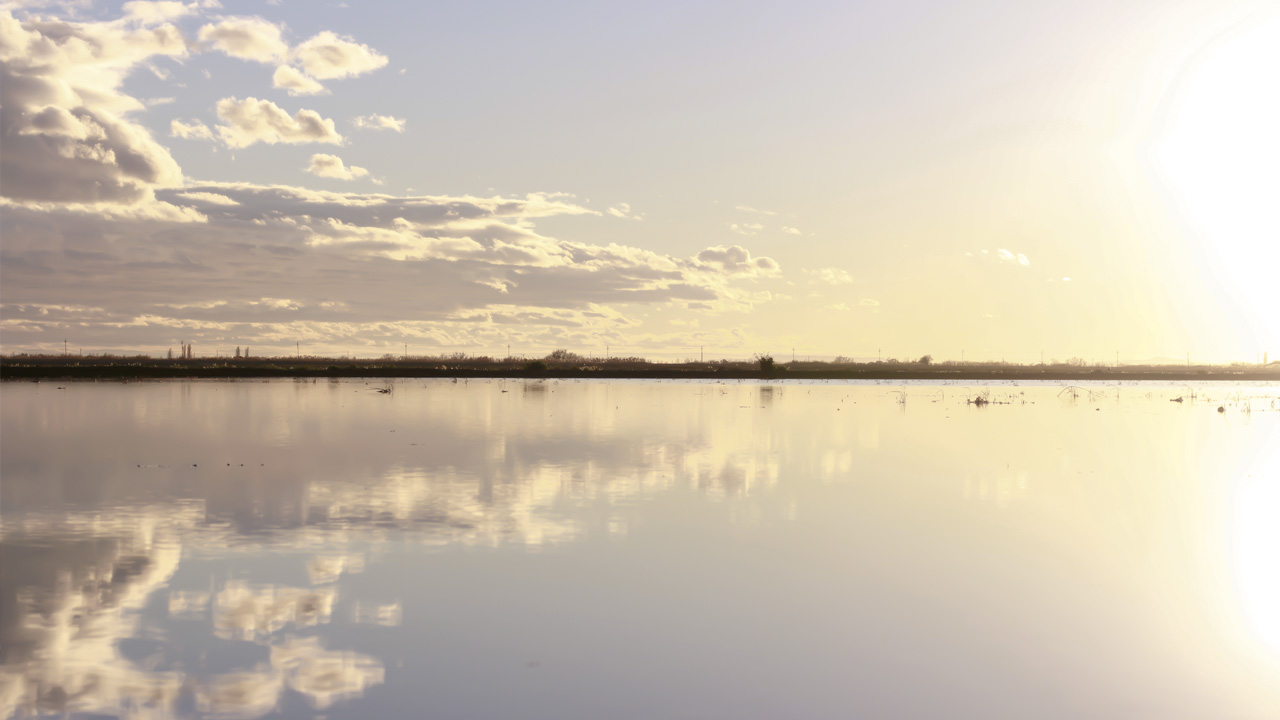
x=638, y=549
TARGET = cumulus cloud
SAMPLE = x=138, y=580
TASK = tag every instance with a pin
x=379, y=122
x=252, y=121
x=297, y=83
x=328, y=56
x=331, y=166
x=248, y=38
x=102, y=231
x=194, y=130
x=159, y=11
x=356, y=268
x=63, y=120
x=736, y=260
x=830, y=276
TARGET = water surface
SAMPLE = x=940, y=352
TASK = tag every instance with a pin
x=639, y=549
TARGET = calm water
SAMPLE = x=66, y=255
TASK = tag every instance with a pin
x=605, y=550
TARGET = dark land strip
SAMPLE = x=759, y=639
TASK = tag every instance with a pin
x=138, y=369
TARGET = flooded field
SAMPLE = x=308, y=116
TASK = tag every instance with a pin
x=638, y=549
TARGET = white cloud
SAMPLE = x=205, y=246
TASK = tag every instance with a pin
x=790, y=230
x=155, y=13
x=379, y=122
x=248, y=38
x=194, y=130
x=207, y=197
x=252, y=120
x=868, y=302
x=331, y=166
x=63, y=120
x=296, y=82
x=1008, y=256
x=737, y=260
x=830, y=276
x=746, y=228
x=623, y=210
x=327, y=56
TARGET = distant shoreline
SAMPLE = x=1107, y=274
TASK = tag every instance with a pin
x=126, y=369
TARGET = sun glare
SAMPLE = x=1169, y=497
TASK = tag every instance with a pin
x=1259, y=536
x=1222, y=154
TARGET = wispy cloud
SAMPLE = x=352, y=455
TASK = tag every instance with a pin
x=379, y=122
x=830, y=276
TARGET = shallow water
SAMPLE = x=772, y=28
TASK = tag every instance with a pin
x=637, y=549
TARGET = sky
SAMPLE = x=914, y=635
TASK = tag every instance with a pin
x=987, y=180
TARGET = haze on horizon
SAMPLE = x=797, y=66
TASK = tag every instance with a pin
x=998, y=179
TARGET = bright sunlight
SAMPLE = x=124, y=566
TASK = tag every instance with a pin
x=1223, y=155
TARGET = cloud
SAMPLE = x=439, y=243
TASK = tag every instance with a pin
x=790, y=230
x=1010, y=257
x=252, y=120
x=1004, y=256
x=868, y=302
x=206, y=197
x=623, y=210
x=357, y=269
x=379, y=122
x=63, y=120
x=331, y=166
x=194, y=130
x=102, y=231
x=327, y=56
x=830, y=276
x=749, y=209
x=247, y=38
x=297, y=83
x=160, y=11
x=746, y=228
x=736, y=260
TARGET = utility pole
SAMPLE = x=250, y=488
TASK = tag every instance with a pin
x=406, y=351
x=298, y=343
x=64, y=346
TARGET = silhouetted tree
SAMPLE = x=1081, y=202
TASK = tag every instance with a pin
x=927, y=359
